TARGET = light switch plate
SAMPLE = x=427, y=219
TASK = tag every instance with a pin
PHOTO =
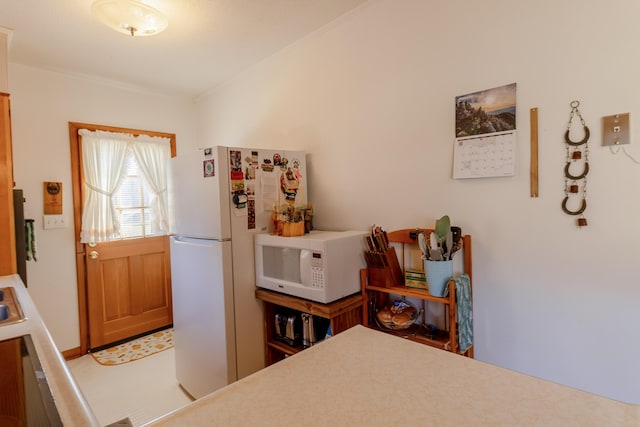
x=54, y=221
x=615, y=130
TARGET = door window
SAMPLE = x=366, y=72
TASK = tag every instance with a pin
x=125, y=186
x=132, y=202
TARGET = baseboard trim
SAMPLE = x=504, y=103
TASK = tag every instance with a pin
x=72, y=353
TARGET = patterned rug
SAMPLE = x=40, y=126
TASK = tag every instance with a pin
x=135, y=349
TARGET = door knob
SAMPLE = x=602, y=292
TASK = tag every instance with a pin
x=92, y=244
x=93, y=255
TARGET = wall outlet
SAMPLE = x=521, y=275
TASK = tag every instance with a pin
x=615, y=130
x=54, y=221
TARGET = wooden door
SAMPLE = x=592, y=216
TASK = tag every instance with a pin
x=124, y=287
x=128, y=288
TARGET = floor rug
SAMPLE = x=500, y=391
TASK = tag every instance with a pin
x=135, y=349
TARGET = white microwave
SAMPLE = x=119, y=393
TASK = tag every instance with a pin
x=321, y=266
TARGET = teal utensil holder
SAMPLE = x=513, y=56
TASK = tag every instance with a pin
x=438, y=274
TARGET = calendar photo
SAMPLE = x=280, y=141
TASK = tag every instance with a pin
x=486, y=111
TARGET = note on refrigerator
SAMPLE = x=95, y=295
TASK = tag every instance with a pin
x=269, y=190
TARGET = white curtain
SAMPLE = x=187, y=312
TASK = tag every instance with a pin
x=152, y=156
x=103, y=156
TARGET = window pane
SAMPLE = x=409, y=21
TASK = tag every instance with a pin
x=132, y=202
x=130, y=193
x=146, y=192
x=131, y=166
x=131, y=223
x=128, y=200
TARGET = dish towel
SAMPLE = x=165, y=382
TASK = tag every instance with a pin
x=30, y=235
x=465, y=312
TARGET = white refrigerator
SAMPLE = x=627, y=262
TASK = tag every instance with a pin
x=219, y=198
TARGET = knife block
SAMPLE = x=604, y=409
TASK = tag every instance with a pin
x=388, y=276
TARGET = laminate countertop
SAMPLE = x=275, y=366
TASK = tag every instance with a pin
x=71, y=405
x=363, y=377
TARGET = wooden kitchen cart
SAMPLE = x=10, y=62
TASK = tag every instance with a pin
x=376, y=297
x=342, y=314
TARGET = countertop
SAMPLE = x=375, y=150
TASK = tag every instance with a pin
x=71, y=405
x=363, y=377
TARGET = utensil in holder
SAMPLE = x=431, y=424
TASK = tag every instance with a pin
x=384, y=269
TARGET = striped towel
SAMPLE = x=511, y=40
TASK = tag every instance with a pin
x=30, y=236
x=465, y=312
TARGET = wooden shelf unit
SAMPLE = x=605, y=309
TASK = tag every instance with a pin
x=376, y=297
x=342, y=314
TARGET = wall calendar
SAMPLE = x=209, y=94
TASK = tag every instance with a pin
x=485, y=156
x=485, y=141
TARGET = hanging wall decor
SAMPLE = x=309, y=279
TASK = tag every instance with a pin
x=576, y=169
x=485, y=142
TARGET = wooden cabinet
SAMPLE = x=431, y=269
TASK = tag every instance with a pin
x=341, y=314
x=8, y=241
x=376, y=297
x=12, y=387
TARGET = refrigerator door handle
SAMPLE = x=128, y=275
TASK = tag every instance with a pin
x=181, y=240
x=185, y=240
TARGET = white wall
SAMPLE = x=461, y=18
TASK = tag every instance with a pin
x=42, y=105
x=371, y=99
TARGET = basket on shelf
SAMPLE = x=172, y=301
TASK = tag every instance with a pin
x=398, y=315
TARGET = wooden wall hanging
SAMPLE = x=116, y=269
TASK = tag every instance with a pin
x=52, y=198
x=576, y=169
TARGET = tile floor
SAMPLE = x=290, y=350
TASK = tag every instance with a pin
x=142, y=390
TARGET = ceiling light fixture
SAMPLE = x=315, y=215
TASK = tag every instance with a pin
x=130, y=17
